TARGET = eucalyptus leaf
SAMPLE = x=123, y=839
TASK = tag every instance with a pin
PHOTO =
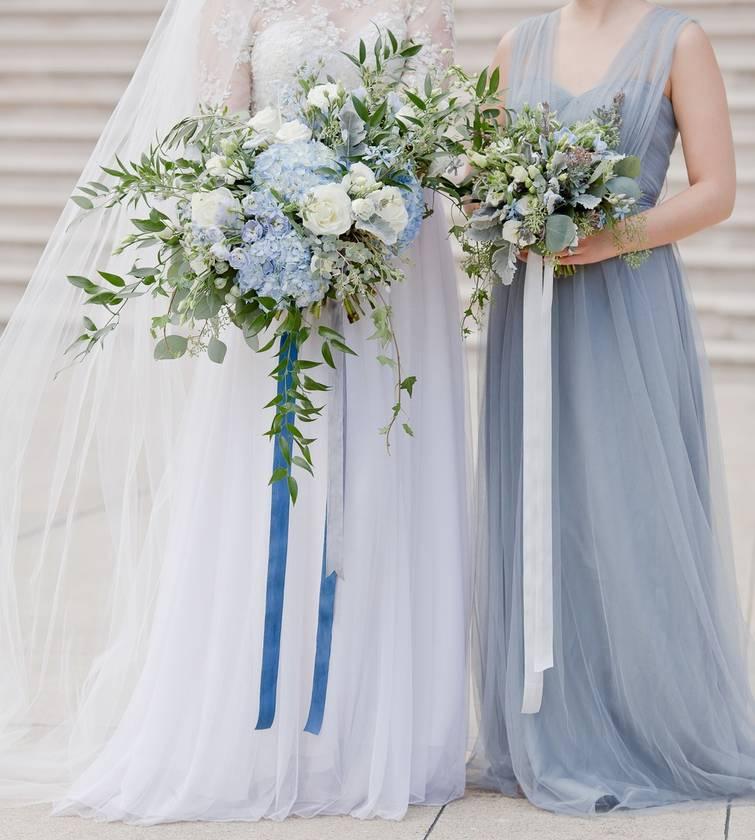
x=171, y=347
x=624, y=186
x=216, y=350
x=630, y=167
x=560, y=232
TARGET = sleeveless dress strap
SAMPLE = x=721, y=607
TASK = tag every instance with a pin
x=529, y=59
x=648, y=64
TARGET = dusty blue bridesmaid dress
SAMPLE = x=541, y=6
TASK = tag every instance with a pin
x=648, y=703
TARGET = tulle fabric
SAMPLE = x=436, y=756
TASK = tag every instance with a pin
x=394, y=729
x=135, y=518
x=649, y=702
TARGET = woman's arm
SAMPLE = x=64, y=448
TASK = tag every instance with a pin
x=699, y=101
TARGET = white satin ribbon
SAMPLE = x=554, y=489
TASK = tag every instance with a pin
x=336, y=409
x=537, y=480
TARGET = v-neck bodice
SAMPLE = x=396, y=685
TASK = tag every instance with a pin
x=640, y=70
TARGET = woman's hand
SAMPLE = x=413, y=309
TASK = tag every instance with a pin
x=601, y=246
x=596, y=248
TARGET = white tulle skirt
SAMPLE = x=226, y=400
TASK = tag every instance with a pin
x=394, y=726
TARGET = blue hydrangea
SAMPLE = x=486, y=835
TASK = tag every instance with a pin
x=292, y=168
x=414, y=199
x=279, y=267
x=206, y=235
x=261, y=204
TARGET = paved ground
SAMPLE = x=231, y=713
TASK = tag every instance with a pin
x=478, y=817
x=484, y=816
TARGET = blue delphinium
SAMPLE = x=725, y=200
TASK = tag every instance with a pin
x=293, y=168
x=414, y=199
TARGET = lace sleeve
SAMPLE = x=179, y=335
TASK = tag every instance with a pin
x=431, y=23
x=224, y=54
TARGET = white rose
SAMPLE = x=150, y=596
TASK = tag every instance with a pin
x=292, y=132
x=389, y=205
x=217, y=207
x=266, y=122
x=327, y=210
x=511, y=231
x=359, y=179
x=519, y=174
x=363, y=208
x=323, y=96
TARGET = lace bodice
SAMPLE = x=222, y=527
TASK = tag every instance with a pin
x=254, y=47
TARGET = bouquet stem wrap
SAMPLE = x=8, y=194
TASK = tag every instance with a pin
x=537, y=471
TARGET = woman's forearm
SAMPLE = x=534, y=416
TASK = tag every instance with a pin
x=698, y=207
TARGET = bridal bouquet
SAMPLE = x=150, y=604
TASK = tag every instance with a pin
x=544, y=186
x=283, y=225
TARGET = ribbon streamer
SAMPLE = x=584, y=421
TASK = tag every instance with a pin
x=537, y=480
x=334, y=559
x=332, y=564
x=277, y=559
x=324, y=641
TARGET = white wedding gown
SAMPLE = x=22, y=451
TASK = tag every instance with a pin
x=132, y=682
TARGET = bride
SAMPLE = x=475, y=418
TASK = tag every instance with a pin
x=154, y=667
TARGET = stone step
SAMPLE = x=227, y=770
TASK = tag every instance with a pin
x=41, y=32
x=67, y=10
x=110, y=59
x=726, y=317
x=710, y=270
x=731, y=354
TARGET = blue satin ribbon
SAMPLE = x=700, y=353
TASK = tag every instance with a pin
x=324, y=640
x=276, y=581
x=277, y=558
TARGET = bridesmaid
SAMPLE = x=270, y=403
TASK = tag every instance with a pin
x=648, y=701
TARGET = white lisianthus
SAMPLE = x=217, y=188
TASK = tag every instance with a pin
x=229, y=145
x=511, y=231
x=266, y=122
x=519, y=174
x=533, y=172
x=323, y=96
x=360, y=179
x=390, y=207
x=217, y=166
x=293, y=132
x=326, y=210
x=199, y=265
x=363, y=208
x=216, y=207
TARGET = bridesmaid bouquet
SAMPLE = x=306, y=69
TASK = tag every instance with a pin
x=282, y=225
x=544, y=186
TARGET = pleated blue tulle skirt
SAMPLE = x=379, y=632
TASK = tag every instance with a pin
x=648, y=703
